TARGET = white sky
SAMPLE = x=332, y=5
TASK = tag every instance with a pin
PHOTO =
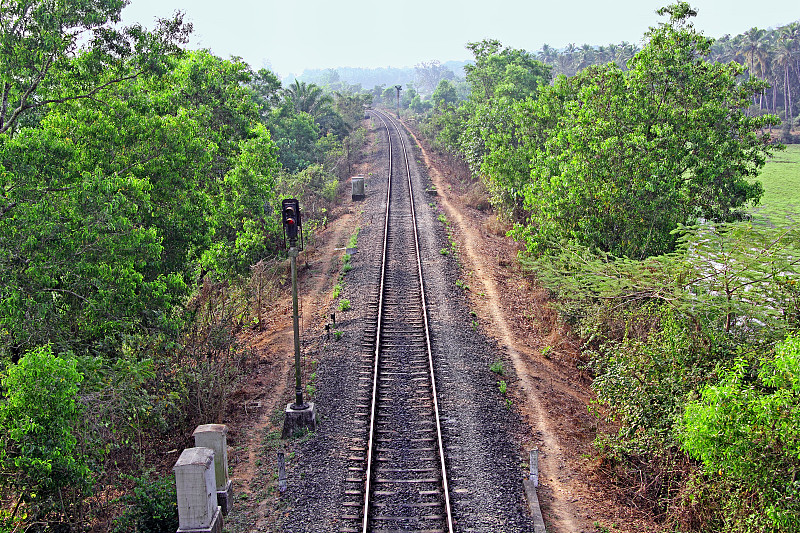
x=290, y=35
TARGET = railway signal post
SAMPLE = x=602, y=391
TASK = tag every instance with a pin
x=399, y=88
x=299, y=415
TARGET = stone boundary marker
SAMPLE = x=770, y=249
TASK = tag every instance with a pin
x=202, y=486
x=214, y=436
x=198, y=511
x=530, y=492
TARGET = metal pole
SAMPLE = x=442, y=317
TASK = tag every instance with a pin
x=298, y=404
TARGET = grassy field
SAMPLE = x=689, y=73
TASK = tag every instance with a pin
x=781, y=180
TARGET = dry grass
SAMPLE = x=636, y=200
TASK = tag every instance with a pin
x=477, y=197
x=496, y=226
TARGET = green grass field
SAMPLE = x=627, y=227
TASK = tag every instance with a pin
x=781, y=180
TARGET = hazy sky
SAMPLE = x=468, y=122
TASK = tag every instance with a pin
x=290, y=35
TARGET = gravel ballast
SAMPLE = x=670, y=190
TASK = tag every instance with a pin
x=478, y=423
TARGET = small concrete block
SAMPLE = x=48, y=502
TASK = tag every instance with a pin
x=225, y=498
x=357, y=187
x=196, y=489
x=214, y=436
x=533, y=506
x=298, y=419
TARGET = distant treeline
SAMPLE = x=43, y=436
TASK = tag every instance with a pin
x=367, y=78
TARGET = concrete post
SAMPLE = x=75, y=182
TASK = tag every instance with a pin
x=214, y=436
x=197, y=495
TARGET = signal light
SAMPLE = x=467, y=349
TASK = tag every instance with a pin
x=290, y=213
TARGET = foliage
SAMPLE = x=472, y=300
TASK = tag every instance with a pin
x=128, y=200
x=429, y=75
x=499, y=77
x=769, y=54
x=138, y=184
x=658, y=332
x=616, y=160
x=745, y=429
x=40, y=454
x=151, y=506
x=444, y=96
x=39, y=41
x=497, y=367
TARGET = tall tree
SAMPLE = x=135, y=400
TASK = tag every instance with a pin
x=616, y=160
x=428, y=75
x=39, y=40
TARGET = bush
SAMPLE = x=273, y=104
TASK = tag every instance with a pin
x=39, y=454
x=746, y=430
x=152, y=506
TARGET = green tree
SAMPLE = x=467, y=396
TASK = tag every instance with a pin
x=38, y=44
x=110, y=210
x=266, y=89
x=616, y=160
x=746, y=430
x=444, y=96
x=499, y=77
x=429, y=74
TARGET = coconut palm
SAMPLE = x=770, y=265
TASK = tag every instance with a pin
x=785, y=59
x=547, y=54
x=587, y=55
x=309, y=98
x=755, y=45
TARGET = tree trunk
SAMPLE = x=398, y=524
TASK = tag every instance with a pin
x=789, y=93
x=774, y=98
x=786, y=110
x=4, y=109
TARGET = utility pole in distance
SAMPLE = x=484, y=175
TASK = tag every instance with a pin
x=299, y=415
x=399, y=88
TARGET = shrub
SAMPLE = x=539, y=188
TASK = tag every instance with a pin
x=40, y=455
x=746, y=430
x=497, y=367
x=151, y=507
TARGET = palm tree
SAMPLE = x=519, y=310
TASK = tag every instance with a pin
x=628, y=51
x=570, y=51
x=613, y=52
x=724, y=49
x=563, y=64
x=785, y=58
x=309, y=98
x=587, y=54
x=754, y=47
x=547, y=54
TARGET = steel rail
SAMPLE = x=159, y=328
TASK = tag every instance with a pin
x=388, y=119
x=373, y=408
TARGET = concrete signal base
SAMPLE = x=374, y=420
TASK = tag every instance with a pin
x=299, y=419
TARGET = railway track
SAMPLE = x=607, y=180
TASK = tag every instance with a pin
x=397, y=478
